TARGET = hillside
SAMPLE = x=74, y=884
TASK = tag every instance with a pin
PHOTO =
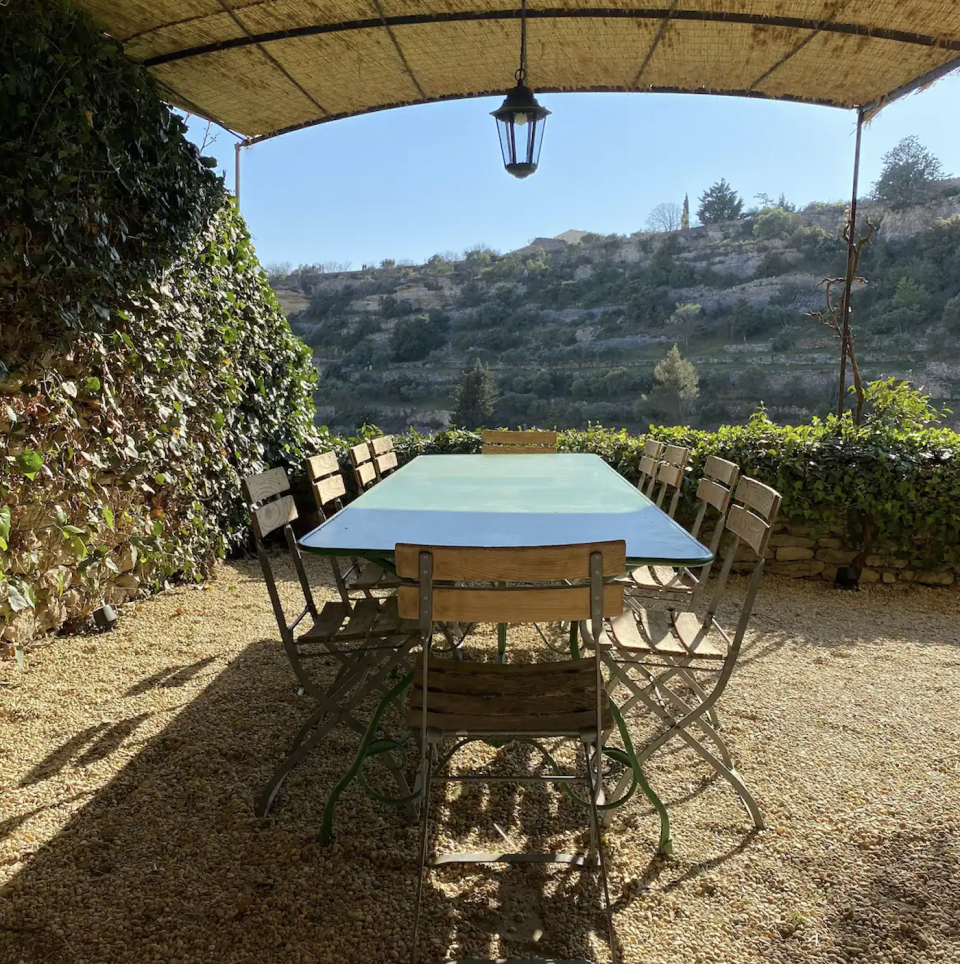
x=572, y=327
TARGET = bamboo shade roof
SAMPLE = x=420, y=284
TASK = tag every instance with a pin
x=265, y=67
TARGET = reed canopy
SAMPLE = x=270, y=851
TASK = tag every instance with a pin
x=265, y=67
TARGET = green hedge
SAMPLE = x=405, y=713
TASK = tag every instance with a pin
x=901, y=483
x=145, y=365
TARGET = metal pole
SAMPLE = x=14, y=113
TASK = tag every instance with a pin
x=851, y=261
x=236, y=186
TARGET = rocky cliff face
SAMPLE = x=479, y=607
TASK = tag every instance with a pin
x=393, y=341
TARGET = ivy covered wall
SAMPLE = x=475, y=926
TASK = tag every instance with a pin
x=145, y=365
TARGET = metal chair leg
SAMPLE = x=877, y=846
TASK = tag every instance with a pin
x=424, y=848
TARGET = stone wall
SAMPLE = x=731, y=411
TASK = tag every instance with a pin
x=796, y=552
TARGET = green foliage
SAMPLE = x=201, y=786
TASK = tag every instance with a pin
x=898, y=406
x=833, y=476
x=908, y=172
x=475, y=398
x=719, y=202
x=773, y=222
x=412, y=339
x=101, y=190
x=685, y=215
x=150, y=367
x=675, y=384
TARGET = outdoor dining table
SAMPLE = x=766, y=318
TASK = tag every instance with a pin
x=501, y=501
x=505, y=501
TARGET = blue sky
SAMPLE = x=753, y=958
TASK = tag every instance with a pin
x=412, y=182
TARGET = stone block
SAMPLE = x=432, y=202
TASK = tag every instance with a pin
x=944, y=578
x=886, y=562
x=793, y=541
x=837, y=557
x=828, y=542
x=126, y=558
x=793, y=553
x=797, y=570
x=888, y=576
x=829, y=573
x=869, y=575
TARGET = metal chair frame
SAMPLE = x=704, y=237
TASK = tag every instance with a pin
x=548, y=591
x=682, y=588
x=329, y=489
x=644, y=651
x=366, y=639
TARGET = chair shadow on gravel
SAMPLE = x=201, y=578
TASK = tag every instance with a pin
x=907, y=899
x=168, y=861
x=170, y=677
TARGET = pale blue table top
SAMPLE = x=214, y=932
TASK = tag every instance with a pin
x=505, y=500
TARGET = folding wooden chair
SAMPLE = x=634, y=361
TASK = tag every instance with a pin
x=680, y=588
x=384, y=458
x=366, y=640
x=649, y=463
x=466, y=701
x=496, y=442
x=364, y=471
x=677, y=664
x=328, y=490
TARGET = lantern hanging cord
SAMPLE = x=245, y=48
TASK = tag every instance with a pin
x=521, y=74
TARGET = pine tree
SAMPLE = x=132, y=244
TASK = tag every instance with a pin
x=685, y=217
x=675, y=388
x=719, y=202
x=474, y=398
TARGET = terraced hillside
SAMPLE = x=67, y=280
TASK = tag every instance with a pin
x=573, y=327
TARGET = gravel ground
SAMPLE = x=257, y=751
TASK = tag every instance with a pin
x=129, y=765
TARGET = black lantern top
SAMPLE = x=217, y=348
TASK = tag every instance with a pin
x=520, y=119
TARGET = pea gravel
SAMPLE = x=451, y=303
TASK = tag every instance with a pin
x=130, y=761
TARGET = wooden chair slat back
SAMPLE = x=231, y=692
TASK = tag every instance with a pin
x=366, y=474
x=721, y=470
x=671, y=475
x=273, y=515
x=510, y=605
x=329, y=490
x=382, y=445
x=322, y=465
x=714, y=494
x=648, y=465
x=759, y=498
x=496, y=442
x=676, y=455
x=385, y=463
x=264, y=485
x=753, y=530
x=525, y=564
x=360, y=454
x=653, y=448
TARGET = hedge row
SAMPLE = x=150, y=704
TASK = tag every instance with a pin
x=898, y=486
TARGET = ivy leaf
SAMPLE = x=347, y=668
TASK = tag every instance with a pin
x=74, y=530
x=59, y=515
x=30, y=463
x=19, y=596
x=108, y=515
x=92, y=384
x=5, y=517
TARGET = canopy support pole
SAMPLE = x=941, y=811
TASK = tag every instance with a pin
x=236, y=185
x=851, y=266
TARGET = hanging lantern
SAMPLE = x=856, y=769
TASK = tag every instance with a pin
x=520, y=119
